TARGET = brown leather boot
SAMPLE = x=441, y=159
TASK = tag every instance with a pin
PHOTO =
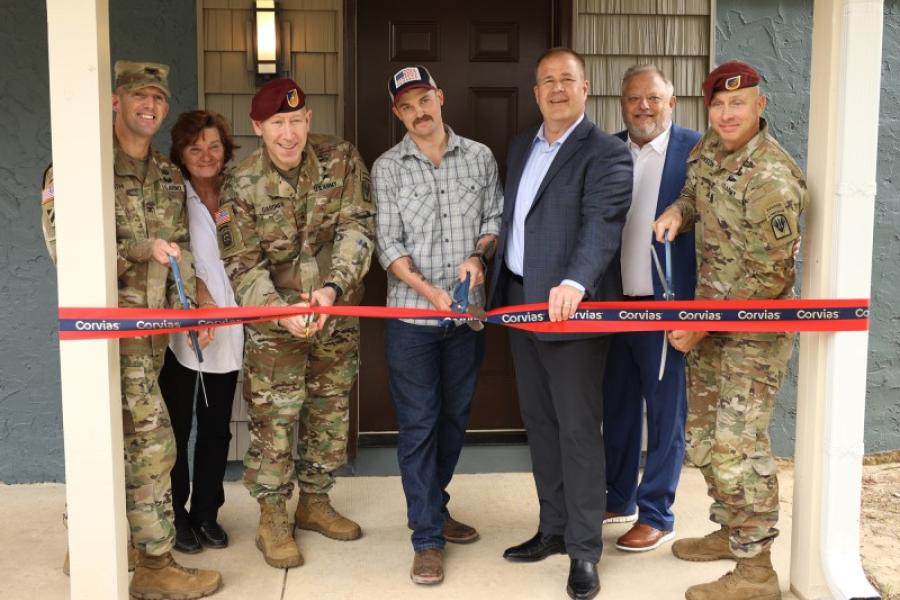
x=428, y=567
x=752, y=579
x=315, y=513
x=459, y=533
x=132, y=559
x=275, y=536
x=712, y=546
x=161, y=578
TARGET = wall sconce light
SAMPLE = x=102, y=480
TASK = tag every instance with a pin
x=268, y=42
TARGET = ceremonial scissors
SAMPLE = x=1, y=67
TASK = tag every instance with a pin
x=195, y=339
x=665, y=280
x=460, y=303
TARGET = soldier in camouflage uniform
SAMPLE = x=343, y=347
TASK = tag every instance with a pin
x=296, y=227
x=151, y=225
x=743, y=196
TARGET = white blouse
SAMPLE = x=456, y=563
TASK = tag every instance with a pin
x=225, y=352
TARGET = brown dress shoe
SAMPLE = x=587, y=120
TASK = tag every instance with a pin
x=617, y=517
x=459, y=533
x=642, y=537
x=428, y=567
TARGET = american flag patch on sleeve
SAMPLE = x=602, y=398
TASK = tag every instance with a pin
x=222, y=217
x=47, y=195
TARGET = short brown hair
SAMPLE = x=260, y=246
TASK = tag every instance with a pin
x=187, y=129
x=557, y=51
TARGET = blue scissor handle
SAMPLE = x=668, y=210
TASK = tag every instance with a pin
x=671, y=287
x=461, y=295
x=179, y=283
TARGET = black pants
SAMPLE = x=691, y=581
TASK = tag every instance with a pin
x=561, y=401
x=176, y=383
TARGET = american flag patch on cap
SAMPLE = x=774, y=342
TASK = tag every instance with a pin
x=404, y=76
x=222, y=217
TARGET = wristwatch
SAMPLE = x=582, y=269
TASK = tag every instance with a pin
x=338, y=292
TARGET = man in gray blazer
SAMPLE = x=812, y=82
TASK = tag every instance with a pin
x=568, y=190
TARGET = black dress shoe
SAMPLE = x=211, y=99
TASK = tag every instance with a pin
x=211, y=534
x=584, y=583
x=537, y=548
x=186, y=540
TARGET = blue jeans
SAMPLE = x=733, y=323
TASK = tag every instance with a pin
x=432, y=373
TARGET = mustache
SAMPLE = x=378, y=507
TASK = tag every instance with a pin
x=422, y=119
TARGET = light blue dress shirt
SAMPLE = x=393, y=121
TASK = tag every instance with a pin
x=539, y=161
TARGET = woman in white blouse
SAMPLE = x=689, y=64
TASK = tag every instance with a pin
x=201, y=146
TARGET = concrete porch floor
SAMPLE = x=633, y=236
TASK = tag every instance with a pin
x=503, y=506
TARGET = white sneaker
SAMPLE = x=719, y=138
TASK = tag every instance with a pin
x=613, y=517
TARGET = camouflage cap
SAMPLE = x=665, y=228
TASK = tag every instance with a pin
x=136, y=75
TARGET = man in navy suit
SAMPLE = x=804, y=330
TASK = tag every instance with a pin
x=567, y=193
x=660, y=150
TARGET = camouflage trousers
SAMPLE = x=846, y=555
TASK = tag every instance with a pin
x=289, y=380
x=732, y=384
x=149, y=455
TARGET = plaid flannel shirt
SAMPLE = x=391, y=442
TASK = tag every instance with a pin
x=434, y=215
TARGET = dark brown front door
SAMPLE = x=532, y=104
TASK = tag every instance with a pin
x=482, y=54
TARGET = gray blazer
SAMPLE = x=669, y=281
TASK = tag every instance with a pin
x=574, y=228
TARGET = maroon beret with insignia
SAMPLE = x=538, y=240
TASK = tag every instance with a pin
x=277, y=96
x=729, y=76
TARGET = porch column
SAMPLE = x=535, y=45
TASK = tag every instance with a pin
x=843, y=145
x=80, y=111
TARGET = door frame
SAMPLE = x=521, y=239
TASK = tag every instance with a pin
x=561, y=34
x=561, y=28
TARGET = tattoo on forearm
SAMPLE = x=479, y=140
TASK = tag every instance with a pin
x=415, y=270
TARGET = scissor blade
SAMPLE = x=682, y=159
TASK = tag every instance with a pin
x=659, y=271
x=662, y=361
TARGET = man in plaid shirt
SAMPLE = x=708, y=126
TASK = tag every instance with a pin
x=438, y=204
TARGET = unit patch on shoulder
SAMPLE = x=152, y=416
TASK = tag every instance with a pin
x=781, y=227
x=227, y=233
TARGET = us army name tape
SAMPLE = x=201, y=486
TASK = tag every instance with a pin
x=591, y=317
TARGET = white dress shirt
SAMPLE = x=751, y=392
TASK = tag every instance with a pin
x=539, y=160
x=225, y=352
x=649, y=160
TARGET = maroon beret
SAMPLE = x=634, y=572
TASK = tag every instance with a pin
x=277, y=96
x=729, y=76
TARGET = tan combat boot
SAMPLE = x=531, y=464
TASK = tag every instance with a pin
x=712, y=546
x=275, y=536
x=315, y=513
x=132, y=559
x=752, y=579
x=161, y=578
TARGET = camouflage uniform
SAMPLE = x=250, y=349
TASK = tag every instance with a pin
x=277, y=242
x=148, y=209
x=746, y=206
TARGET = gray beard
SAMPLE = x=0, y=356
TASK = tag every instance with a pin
x=650, y=131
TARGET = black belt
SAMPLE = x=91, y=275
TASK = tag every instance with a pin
x=639, y=298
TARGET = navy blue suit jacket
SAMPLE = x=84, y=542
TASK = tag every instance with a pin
x=574, y=227
x=684, y=260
